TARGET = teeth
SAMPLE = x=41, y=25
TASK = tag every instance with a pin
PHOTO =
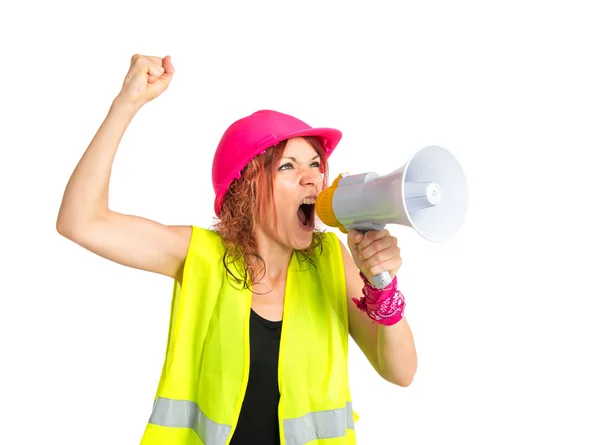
x=309, y=201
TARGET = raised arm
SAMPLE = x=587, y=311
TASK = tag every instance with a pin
x=84, y=216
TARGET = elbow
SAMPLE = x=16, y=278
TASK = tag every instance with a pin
x=65, y=228
x=404, y=381
x=401, y=377
x=75, y=226
x=62, y=227
x=68, y=228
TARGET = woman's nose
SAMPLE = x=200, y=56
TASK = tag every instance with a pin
x=311, y=176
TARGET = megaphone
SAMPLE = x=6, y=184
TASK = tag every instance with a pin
x=428, y=193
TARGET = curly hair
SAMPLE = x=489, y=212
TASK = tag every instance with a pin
x=246, y=206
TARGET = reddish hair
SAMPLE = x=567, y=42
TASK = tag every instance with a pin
x=247, y=204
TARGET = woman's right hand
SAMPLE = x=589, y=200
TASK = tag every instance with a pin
x=147, y=78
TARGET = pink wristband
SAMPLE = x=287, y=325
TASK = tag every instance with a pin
x=383, y=306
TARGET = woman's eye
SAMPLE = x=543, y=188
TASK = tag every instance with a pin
x=287, y=166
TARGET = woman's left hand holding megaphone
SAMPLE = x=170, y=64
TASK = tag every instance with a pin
x=374, y=252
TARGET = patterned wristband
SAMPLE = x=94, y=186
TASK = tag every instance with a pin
x=383, y=306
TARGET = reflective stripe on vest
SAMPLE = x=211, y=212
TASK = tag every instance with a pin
x=187, y=414
x=298, y=431
x=318, y=425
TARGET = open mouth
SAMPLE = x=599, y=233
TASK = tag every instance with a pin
x=306, y=212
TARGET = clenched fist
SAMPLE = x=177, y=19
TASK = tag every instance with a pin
x=147, y=78
x=375, y=252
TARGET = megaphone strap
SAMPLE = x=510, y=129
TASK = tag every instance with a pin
x=384, y=306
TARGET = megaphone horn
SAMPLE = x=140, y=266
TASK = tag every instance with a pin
x=428, y=193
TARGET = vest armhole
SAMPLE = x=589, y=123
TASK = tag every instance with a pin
x=202, y=247
x=339, y=271
x=204, y=240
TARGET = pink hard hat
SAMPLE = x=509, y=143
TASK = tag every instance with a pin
x=252, y=135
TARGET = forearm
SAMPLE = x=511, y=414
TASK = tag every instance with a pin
x=86, y=194
x=396, y=353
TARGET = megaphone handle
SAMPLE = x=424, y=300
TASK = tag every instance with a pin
x=382, y=280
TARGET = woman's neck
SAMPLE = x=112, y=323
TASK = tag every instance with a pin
x=276, y=256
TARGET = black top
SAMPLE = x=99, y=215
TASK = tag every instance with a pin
x=258, y=422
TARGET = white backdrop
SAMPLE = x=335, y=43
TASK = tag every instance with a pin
x=504, y=315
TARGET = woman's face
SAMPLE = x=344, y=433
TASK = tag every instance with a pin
x=297, y=181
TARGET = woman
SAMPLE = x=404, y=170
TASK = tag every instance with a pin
x=263, y=303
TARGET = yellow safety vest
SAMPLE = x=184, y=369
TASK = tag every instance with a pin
x=206, y=367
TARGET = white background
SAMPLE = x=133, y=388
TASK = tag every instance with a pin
x=505, y=315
